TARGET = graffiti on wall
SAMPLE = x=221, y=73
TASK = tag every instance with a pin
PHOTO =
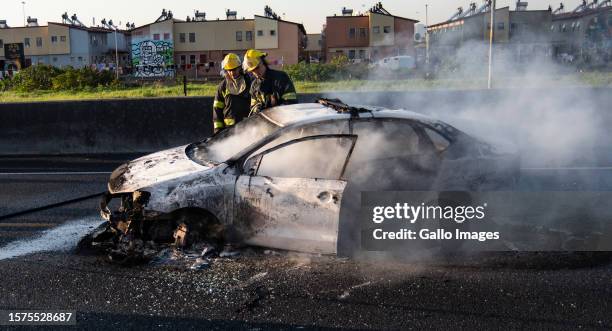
x=153, y=58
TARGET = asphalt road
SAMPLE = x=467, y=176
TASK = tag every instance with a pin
x=277, y=290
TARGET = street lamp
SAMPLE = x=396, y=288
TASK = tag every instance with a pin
x=491, y=40
x=110, y=23
x=23, y=10
x=426, y=35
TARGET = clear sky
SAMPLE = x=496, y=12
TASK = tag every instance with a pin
x=311, y=13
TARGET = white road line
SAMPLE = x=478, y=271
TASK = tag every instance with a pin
x=75, y=173
x=568, y=168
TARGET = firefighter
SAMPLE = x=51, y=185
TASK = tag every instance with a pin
x=232, y=101
x=271, y=87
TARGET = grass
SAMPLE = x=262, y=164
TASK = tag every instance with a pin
x=594, y=79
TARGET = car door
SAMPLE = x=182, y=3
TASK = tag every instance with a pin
x=288, y=197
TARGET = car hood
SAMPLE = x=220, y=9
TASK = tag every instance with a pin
x=152, y=169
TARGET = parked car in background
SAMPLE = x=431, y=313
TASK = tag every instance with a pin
x=401, y=62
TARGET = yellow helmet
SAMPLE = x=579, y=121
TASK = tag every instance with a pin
x=231, y=62
x=252, y=59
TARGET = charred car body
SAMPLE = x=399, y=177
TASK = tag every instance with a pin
x=280, y=179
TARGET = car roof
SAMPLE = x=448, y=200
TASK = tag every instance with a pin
x=315, y=112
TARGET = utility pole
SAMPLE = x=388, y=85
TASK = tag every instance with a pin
x=426, y=36
x=491, y=40
x=23, y=10
x=116, y=56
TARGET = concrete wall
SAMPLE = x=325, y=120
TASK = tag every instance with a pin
x=146, y=125
x=103, y=126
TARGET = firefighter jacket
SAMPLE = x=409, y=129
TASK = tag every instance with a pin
x=232, y=101
x=275, y=89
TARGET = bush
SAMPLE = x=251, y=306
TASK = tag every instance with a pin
x=37, y=77
x=45, y=77
x=337, y=69
x=84, y=78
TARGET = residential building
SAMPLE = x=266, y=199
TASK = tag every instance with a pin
x=196, y=47
x=62, y=44
x=584, y=33
x=368, y=37
x=314, y=52
x=520, y=33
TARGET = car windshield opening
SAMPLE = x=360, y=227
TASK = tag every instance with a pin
x=229, y=142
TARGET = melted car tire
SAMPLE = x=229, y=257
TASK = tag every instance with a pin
x=198, y=227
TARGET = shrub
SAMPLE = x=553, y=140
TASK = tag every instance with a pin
x=37, y=77
x=338, y=68
x=84, y=78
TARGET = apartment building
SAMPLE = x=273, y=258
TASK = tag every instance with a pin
x=583, y=33
x=369, y=36
x=60, y=45
x=520, y=33
x=196, y=47
x=314, y=48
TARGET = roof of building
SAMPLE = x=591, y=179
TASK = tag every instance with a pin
x=364, y=15
x=581, y=13
x=174, y=20
x=218, y=20
x=87, y=28
x=300, y=25
x=463, y=18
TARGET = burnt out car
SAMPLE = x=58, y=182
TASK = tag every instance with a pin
x=278, y=179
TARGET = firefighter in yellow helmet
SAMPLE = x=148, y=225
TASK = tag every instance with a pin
x=232, y=100
x=270, y=87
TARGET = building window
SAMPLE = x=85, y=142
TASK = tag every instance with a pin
x=376, y=30
x=273, y=32
x=166, y=36
x=320, y=42
x=183, y=59
x=1, y=43
x=26, y=42
x=552, y=27
x=156, y=36
x=259, y=33
x=238, y=35
x=192, y=37
x=351, y=54
x=181, y=37
x=192, y=59
x=38, y=41
x=387, y=29
x=564, y=28
x=249, y=35
x=363, y=33
x=500, y=26
x=352, y=33
x=63, y=39
x=362, y=54
x=53, y=39
x=578, y=25
x=203, y=58
x=80, y=59
x=54, y=59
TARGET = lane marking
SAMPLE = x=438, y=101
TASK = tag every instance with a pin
x=61, y=238
x=77, y=173
x=568, y=168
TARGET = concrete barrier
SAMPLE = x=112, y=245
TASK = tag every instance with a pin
x=145, y=125
x=102, y=126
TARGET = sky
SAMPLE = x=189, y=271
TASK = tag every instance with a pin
x=311, y=13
